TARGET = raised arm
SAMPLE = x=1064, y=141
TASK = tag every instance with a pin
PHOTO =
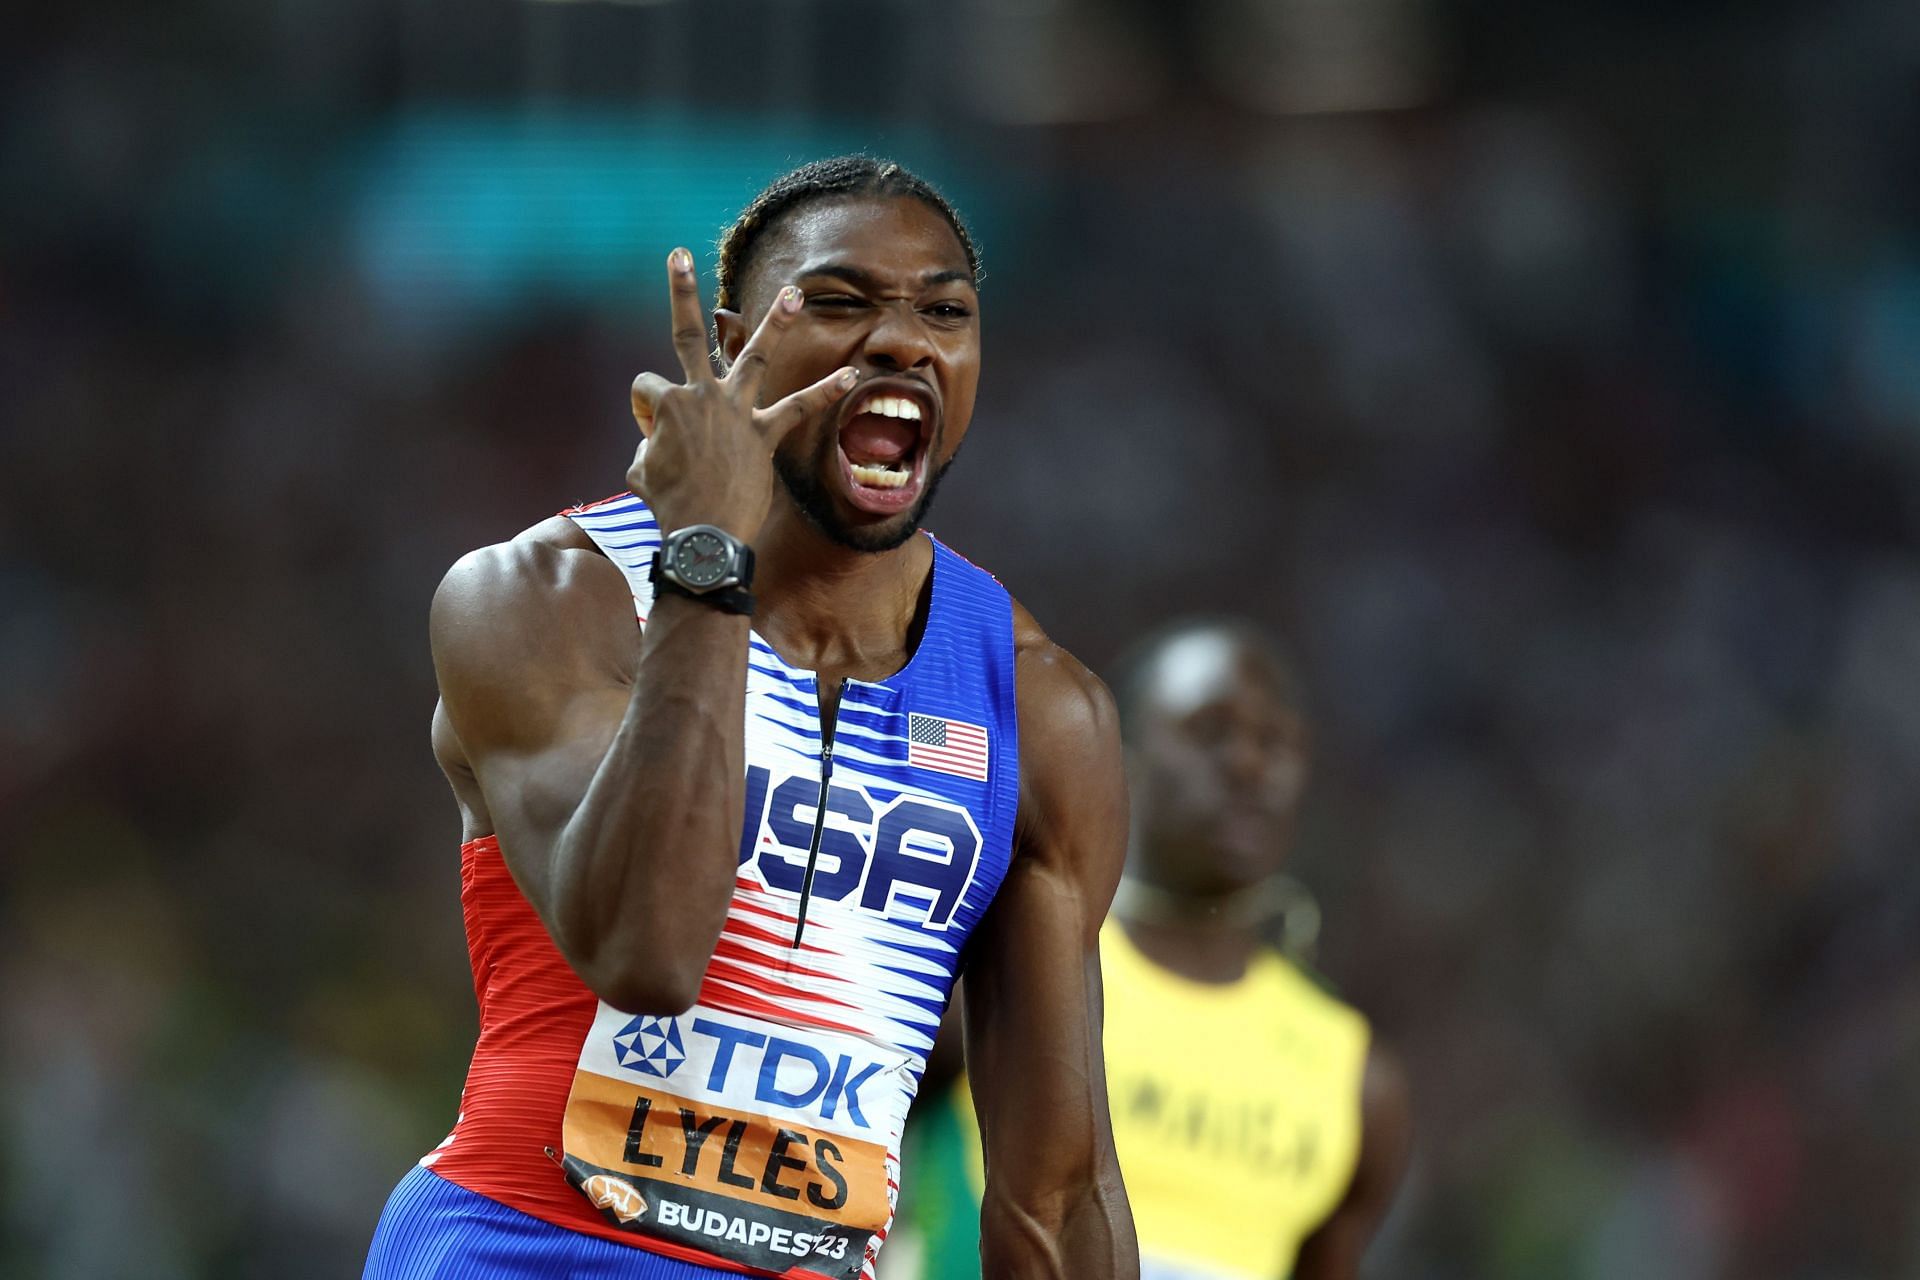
x=610, y=761
x=1334, y=1250
x=611, y=764
x=1054, y=1205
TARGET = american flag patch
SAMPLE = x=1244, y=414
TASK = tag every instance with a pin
x=947, y=746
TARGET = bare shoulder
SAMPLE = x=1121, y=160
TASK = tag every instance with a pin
x=1062, y=703
x=1386, y=1131
x=536, y=565
x=530, y=585
x=1071, y=775
x=543, y=610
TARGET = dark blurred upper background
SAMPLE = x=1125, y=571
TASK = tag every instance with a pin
x=1549, y=374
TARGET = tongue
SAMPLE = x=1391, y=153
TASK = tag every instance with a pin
x=872, y=438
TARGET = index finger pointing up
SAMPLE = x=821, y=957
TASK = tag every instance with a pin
x=689, y=326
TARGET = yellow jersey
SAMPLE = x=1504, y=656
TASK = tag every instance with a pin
x=1236, y=1111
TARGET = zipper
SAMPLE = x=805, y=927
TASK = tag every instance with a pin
x=820, y=809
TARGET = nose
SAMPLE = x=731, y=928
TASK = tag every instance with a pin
x=898, y=340
x=1245, y=760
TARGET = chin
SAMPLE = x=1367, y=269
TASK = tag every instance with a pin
x=874, y=538
x=1243, y=869
x=810, y=481
x=1212, y=868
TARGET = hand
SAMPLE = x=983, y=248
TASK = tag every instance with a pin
x=706, y=456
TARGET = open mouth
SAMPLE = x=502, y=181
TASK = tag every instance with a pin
x=883, y=447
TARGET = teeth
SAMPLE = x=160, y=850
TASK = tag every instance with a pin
x=880, y=477
x=894, y=407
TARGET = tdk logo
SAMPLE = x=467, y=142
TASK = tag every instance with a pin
x=651, y=1046
x=786, y=1073
x=911, y=858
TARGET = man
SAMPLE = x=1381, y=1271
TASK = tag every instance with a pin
x=1260, y=1133
x=719, y=868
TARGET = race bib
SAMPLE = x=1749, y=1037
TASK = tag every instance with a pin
x=737, y=1137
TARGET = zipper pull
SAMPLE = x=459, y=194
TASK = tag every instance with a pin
x=819, y=816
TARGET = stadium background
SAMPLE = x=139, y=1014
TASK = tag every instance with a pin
x=1549, y=374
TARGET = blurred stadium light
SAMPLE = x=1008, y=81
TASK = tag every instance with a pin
x=466, y=212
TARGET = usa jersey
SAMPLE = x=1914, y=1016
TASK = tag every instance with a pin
x=760, y=1130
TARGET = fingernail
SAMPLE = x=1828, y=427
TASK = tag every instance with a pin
x=682, y=260
x=848, y=377
x=790, y=298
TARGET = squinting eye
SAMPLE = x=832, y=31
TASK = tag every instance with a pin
x=950, y=311
x=832, y=300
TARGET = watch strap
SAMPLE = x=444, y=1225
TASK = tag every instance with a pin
x=727, y=599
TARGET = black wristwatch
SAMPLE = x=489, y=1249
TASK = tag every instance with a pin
x=708, y=564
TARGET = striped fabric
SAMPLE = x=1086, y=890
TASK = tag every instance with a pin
x=908, y=859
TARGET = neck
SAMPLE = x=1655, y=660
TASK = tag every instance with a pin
x=826, y=607
x=1209, y=937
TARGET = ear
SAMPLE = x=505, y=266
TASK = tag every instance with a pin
x=730, y=332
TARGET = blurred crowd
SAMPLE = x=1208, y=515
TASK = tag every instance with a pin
x=1547, y=376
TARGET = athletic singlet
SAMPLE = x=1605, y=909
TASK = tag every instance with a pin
x=1236, y=1113
x=759, y=1131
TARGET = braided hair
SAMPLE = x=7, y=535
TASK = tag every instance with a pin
x=841, y=176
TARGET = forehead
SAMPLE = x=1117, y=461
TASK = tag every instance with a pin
x=1207, y=668
x=894, y=238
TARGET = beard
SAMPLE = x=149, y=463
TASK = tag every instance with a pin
x=800, y=472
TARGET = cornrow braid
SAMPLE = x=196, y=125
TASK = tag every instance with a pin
x=840, y=176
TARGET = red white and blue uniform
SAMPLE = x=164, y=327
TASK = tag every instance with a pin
x=759, y=1131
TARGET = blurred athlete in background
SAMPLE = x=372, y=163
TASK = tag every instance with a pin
x=1261, y=1133
x=719, y=867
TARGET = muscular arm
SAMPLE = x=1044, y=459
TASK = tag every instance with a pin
x=611, y=765
x=611, y=761
x=1333, y=1251
x=1054, y=1205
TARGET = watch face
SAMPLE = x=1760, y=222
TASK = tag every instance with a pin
x=702, y=559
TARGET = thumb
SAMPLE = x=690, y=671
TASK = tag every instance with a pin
x=783, y=416
x=647, y=390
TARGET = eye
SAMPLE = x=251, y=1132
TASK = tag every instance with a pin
x=833, y=302
x=955, y=311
